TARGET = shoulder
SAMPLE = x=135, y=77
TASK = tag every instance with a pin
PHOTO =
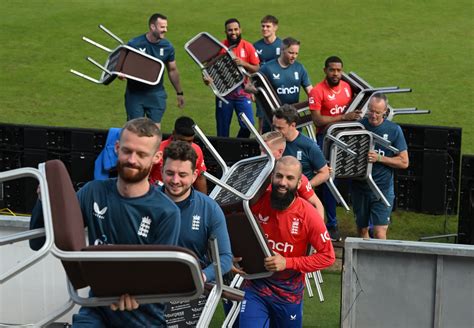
x=258, y=43
x=137, y=39
x=204, y=201
x=160, y=200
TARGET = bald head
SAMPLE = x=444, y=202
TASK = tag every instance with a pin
x=290, y=163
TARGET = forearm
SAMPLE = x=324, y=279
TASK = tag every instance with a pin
x=397, y=162
x=311, y=263
x=319, y=178
x=173, y=75
x=250, y=68
x=226, y=265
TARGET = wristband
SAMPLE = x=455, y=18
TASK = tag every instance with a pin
x=180, y=93
x=379, y=157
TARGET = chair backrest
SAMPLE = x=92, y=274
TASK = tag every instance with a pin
x=203, y=48
x=68, y=224
x=170, y=276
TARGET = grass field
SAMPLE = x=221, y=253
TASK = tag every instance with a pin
x=427, y=45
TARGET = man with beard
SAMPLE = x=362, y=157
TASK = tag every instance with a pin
x=290, y=224
x=367, y=208
x=150, y=100
x=286, y=75
x=115, y=211
x=277, y=144
x=201, y=216
x=238, y=100
x=327, y=102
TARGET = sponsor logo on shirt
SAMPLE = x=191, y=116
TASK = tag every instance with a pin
x=162, y=52
x=295, y=226
x=144, y=227
x=325, y=236
x=100, y=241
x=259, y=51
x=196, y=222
x=262, y=219
x=336, y=110
x=142, y=50
x=292, y=317
x=99, y=213
x=288, y=90
x=284, y=247
x=297, y=76
x=276, y=76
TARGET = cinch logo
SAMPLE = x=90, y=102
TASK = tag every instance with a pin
x=281, y=247
x=288, y=91
x=99, y=213
x=336, y=110
x=380, y=151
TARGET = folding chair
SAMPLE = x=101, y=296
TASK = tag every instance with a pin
x=124, y=61
x=359, y=83
x=268, y=99
x=239, y=185
x=47, y=231
x=159, y=273
x=216, y=62
x=346, y=145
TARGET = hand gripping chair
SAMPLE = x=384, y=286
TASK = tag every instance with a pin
x=124, y=61
x=216, y=62
x=240, y=185
x=346, y=145
x=159, y=273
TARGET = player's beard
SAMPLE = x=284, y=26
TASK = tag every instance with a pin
x=234, y=42
x=177, y=195
x=132, y=176
x=281, y=201
x=332, y=83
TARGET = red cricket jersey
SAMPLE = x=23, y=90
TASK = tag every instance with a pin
x=330, y=101
x=155, y=174
x=289, y=232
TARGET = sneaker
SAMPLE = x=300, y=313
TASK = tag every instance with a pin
x=334, y=234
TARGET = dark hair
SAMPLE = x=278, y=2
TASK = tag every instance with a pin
x=269, y=19
x=183, y=126
x=231, y=20
x=180, y=151
x=333, y=59
x=289, y=41
x=287, y=112
x=143, y=127
x=154, y=18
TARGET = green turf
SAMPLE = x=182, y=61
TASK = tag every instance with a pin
x=427, y=45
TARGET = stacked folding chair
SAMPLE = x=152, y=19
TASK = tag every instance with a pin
x=346, y=146
x=241, y=184
x=363, y=91
x=217, y=63
x=124, y=61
